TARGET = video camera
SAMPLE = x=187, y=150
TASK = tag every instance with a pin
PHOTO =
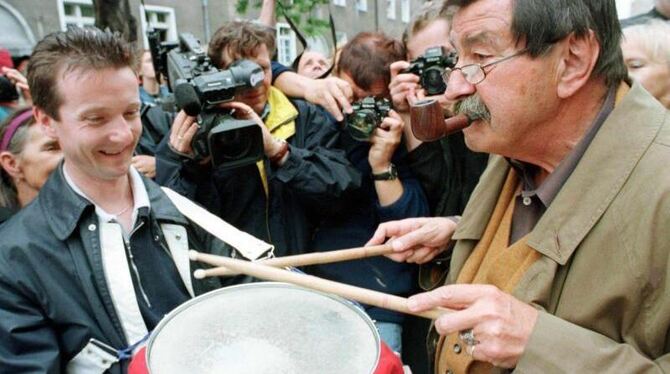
x=430, y=67
x=198, y=88
x=366, y=116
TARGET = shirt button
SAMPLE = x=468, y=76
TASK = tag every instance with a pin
x=457, y=348
x=156, y=238
x=527, y=200
x=178, y=237
x=92, y=227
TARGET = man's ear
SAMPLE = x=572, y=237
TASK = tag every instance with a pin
x=45, y=120
x=10, y=164
x=577, y=61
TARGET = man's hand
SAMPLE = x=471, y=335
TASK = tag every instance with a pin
x=401, y=85
x=145, y=165
x=243, y=111
x=415, y=240
x=500, y=323
x=384, y=141
x=333, y=94
x=19, y=81
x=182, y=132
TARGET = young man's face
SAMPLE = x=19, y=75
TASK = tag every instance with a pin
x=256, y=98
x=99, y=123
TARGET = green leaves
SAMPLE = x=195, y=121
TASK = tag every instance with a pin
x=299, y=11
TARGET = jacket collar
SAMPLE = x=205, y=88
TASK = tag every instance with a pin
x=595, y=182
x=64, y=208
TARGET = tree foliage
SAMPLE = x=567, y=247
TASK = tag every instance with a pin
x=298, y=10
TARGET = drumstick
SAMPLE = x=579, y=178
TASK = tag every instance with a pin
x=310, y=259
x=362, y=295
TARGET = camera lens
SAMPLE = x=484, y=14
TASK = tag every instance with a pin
x=362, y=124
x=232, y=145
x=432, y=81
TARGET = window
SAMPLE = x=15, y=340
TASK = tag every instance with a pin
x=340, y=2
x=362, y=5
x=404, y=10
x=286, y=50
x=390, y=9
x=161, y=19
x=76, y=13
x=342, y=38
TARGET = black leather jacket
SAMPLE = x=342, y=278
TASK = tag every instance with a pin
x=53, y=294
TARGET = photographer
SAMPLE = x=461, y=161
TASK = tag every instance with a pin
x=389, y=191
x=300, y=170
x=447, y=169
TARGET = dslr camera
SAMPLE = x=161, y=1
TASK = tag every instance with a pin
x=8, y=90
x=198, y=87
x=430, y=66
x=366, y=116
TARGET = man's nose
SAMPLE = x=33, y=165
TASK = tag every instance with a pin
x=122, y=131
x=458, y=87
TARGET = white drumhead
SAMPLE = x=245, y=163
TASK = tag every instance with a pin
x=261, y=328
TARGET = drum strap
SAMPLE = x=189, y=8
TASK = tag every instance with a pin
x=247, y=245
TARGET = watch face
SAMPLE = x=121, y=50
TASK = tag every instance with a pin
x=390, y=174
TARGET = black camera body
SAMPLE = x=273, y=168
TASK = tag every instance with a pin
x=430, y=66
x=198, y=88
x=366, y=116
x=8, y=90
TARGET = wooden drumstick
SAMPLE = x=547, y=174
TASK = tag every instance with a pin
x=362, y=295
x=316, y=258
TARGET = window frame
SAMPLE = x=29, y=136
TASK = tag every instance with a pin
x=64, y=20
x=170, y=25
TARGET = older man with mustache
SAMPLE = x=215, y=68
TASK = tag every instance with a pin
x=561, y=259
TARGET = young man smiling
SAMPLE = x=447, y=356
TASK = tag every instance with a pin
x=100, y=256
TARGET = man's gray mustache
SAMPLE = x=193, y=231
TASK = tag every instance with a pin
x=473, y=107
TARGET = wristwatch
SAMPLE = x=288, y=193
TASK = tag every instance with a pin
x=390, y=174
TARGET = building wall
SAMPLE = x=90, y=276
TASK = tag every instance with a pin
x=43, y=15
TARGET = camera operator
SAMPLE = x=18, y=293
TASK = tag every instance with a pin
x=300, y=170
x=388, y=191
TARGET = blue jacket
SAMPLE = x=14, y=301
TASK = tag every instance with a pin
x=54, y=295
x=353, y=222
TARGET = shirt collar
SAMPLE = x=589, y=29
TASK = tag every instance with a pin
x=140, y=196
x=548, y=190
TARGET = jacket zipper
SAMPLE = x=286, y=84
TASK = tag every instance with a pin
x=132, y=263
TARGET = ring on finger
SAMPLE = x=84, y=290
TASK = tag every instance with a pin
x=468, y=337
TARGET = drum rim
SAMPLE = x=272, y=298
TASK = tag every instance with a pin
x=168, y=317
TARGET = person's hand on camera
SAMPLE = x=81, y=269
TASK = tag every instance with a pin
x=19, y=81
x=145, y=165
x=384, y=141
x=500, y=324
x=333, y=94
x=401, y=85
x=415, y=240
x=183, y=130
x=271, y=146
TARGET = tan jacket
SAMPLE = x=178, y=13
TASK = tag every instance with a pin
x=603, y=282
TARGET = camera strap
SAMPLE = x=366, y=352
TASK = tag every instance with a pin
x=303, y=41
x=247, y=245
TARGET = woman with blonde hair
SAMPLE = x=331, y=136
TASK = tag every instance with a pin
x=646, y=52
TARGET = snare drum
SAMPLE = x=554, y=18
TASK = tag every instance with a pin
x=263, y=328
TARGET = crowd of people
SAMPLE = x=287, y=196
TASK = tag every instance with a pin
x=541, y=224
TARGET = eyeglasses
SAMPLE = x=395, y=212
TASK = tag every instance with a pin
x=475, y=73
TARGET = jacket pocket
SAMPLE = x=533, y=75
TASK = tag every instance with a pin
x=95, y=358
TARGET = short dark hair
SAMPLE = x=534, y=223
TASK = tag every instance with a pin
x=544, y=22
x=367, y=57
x=75, y=49
x=239, y=39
